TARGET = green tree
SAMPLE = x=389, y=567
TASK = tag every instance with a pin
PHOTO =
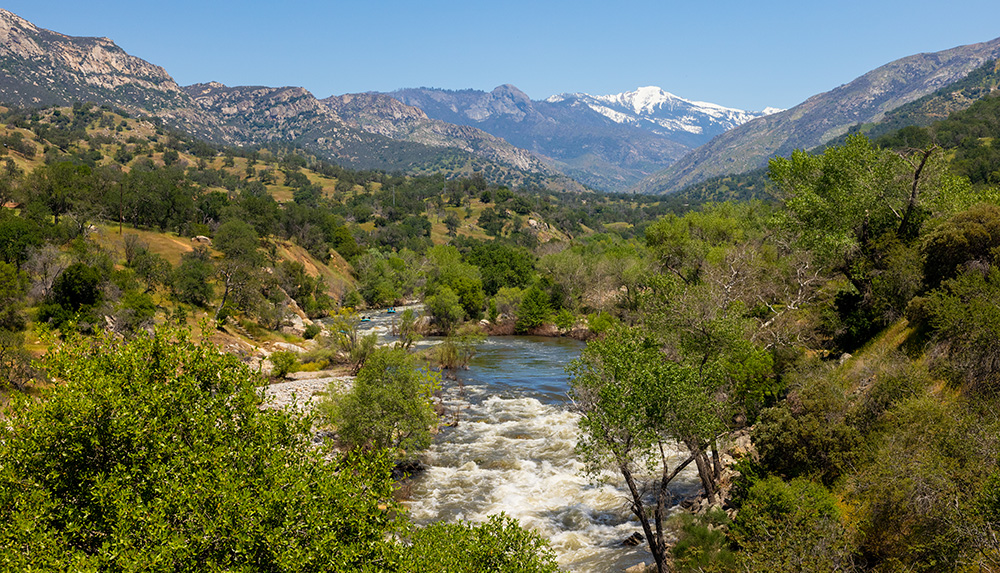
x=167, y=461
x=534, y=310
x=191, y=280
x=452, y=223
x=240, y=268
x=12, y=292
x=388, y=406
x=502, y=265
x=858, y=207
x=444, y=308
x=75, y=294
x=616, y=384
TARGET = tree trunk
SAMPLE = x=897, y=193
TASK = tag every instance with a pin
x=654, y=542
x=225, y=296
x=704, y=469
x=716, y=461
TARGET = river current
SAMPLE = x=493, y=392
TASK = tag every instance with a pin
x=511, y=449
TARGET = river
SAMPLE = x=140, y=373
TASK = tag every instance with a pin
x=512, y=451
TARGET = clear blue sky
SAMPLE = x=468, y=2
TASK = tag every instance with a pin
x=741, y=54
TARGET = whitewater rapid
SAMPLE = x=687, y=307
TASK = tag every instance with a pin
x=512, y=451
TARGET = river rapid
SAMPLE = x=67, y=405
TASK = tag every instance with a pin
x=511, y=450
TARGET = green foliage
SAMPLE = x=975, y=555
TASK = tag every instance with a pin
x=502, y=265
x=166, y=461
x=458, y=349
x=534, y=310
x=75, y=295
x=312, y=331
x=791, y=526
x=565, y=319
x=807, y=435
x=384, y=278
x=134, y=311
x=497, y=546
x=16, y=370
x=600, y=322
x=388, y=405
x=190, y=282
x=12, y=291
x=633, y=404
x=446, y=269
x=283, y=363
x=966, y=322
x=972, y=236
x=237, y=240
x=444, y=308
x=348, y=341
x=406, y=328
x=914, y=500
x=702, y=544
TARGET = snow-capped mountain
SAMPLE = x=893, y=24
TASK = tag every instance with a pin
x=608, y=142
x=664, y=113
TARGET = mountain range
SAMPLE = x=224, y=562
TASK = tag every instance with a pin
x=646, y=140
x=823, y=117
x=608, y=142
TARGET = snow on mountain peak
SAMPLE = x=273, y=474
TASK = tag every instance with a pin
x=658, y=110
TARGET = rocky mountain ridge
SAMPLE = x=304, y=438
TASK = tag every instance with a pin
x=609, y=142
x=822, y=117
x=40, y=67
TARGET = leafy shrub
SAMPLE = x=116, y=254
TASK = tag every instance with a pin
x=155, y=454
x=499, y=545
x=388, y=405
x=793, y=526
x=283, y=363
x=702, y=544
x=312, y=330
x=565, y=319
x=600, y=322
x=534, y=310
x=807, y=434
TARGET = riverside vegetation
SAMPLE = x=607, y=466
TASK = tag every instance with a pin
x=849, y=325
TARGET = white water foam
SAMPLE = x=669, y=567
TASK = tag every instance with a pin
x=516, y=455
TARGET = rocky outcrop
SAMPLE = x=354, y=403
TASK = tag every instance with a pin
x=44, y=67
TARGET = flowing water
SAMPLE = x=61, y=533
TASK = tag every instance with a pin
x=512, y=451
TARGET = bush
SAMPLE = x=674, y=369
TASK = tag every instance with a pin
x=792, y=526
x=499, y=546
x=388, y=406
x=702, y=544
x=155, y=454
x=565, y=319
x=312, y=331
x=534, y=310
x=444, y=308
x=807, y=434
x=283, y=363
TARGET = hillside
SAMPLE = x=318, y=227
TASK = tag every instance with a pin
x=39, y=67
x=823, y=117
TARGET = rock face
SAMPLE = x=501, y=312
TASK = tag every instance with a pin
x=43, y=68
x=823, y=117
x=39, y=67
